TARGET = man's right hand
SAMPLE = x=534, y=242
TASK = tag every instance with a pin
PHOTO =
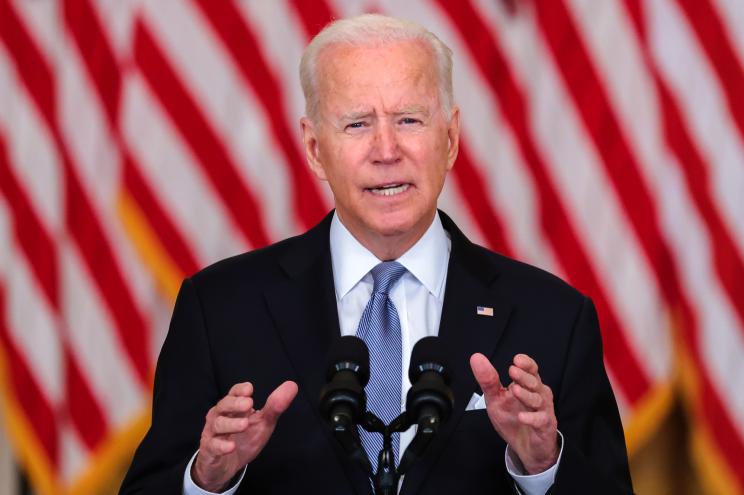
x=235, y=433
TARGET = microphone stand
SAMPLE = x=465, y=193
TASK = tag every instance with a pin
x=388, y=475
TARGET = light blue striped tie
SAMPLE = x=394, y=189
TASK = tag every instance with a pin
x=379, y=327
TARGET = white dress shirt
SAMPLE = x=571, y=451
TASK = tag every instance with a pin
x=418, y=296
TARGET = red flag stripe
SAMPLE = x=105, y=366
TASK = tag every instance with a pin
x=472, y=187
x=171, y=239
x=85, y=412
x=41, y=415
x=313, y=16
x=96, y=53
x=621, y=165
x=711, y=35
x=727, y=259
x=724, y=432
x=726, y=435
x=41, y=254
x=241, y=43
x=197, y=133
x=103, y=70
x=80, y=219
x=30, y=233
x=553, y=218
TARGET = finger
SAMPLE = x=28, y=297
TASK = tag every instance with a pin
x=279, y=401
x=224, y=425
x=485, y=374
x=530, y=399
x=234, y=406
x=524, y=378
x=536, y=419
x=244, y=389
x=526, y=363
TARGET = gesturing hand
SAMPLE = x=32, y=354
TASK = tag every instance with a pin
x=522, y=413
x=235, y=433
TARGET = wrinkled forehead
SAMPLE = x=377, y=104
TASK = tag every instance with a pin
x=351, y=71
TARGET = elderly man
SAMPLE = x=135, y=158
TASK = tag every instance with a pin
x=382, y=129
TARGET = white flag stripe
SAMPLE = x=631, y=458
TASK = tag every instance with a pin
x=117, y=18
x=720, y=338
x=591, y=203
x=452, y=201
x=96, y=159
x=31, y=151
x=491, y=143
x=41, y=20
x=615, y=51
x=633, y=98
x=513, y=187
x=348, y=8
x=283, y=53
x=29, y=318
x=205, y=69
x=731, y=13
x=94, y=345
x=73, y=454
x=84, y=129
x=171, y=170
x=686, y=70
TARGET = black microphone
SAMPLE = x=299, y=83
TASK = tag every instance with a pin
x=342, y=400
x=430, y=400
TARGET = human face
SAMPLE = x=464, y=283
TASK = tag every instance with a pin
x=381, y=141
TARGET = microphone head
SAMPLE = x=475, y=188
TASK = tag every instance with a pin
x=349, y=353
x=429, y=354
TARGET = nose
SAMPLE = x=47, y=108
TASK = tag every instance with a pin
x=387, y=150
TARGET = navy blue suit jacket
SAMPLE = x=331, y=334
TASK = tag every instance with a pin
x=270, y=315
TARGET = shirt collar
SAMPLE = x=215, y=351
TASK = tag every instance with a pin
x=426, y=260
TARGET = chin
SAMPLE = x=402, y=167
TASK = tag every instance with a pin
x=395, y=224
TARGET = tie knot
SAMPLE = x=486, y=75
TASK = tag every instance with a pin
x=386, y=274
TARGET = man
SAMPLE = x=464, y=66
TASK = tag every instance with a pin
x=382, y=129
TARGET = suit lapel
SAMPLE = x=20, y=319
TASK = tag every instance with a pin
x=303, y=307
x=471, y=282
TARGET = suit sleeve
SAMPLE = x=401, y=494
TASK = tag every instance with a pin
x=185, y=389
x=594, y=456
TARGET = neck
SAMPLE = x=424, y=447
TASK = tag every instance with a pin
x=388, y=247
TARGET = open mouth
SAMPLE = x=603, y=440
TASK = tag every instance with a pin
x=389, y=189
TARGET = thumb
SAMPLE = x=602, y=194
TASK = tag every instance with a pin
x=279, y=401
x=485, y=374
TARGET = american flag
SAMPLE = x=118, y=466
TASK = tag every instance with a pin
x=143, y=139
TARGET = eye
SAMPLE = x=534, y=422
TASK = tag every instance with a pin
x=356, y=125
x=409, y=120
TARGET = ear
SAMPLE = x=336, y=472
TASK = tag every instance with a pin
x=310, y=141
x=453, y=137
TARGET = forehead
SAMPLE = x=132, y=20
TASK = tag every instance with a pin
x=396, y=72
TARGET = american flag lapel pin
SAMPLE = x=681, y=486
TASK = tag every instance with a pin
x=484, y=311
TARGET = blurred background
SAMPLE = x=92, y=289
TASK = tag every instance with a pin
x=142, y=140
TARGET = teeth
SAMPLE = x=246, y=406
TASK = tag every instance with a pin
x=390, y=190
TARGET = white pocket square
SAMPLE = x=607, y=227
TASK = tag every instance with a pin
x=476, y=402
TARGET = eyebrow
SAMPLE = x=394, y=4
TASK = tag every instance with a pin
x=368, y=113
x=356, y=115
x=412, y=109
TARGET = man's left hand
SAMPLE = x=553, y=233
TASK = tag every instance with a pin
x=522, y=413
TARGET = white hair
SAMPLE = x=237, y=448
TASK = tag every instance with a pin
x=372, y=29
